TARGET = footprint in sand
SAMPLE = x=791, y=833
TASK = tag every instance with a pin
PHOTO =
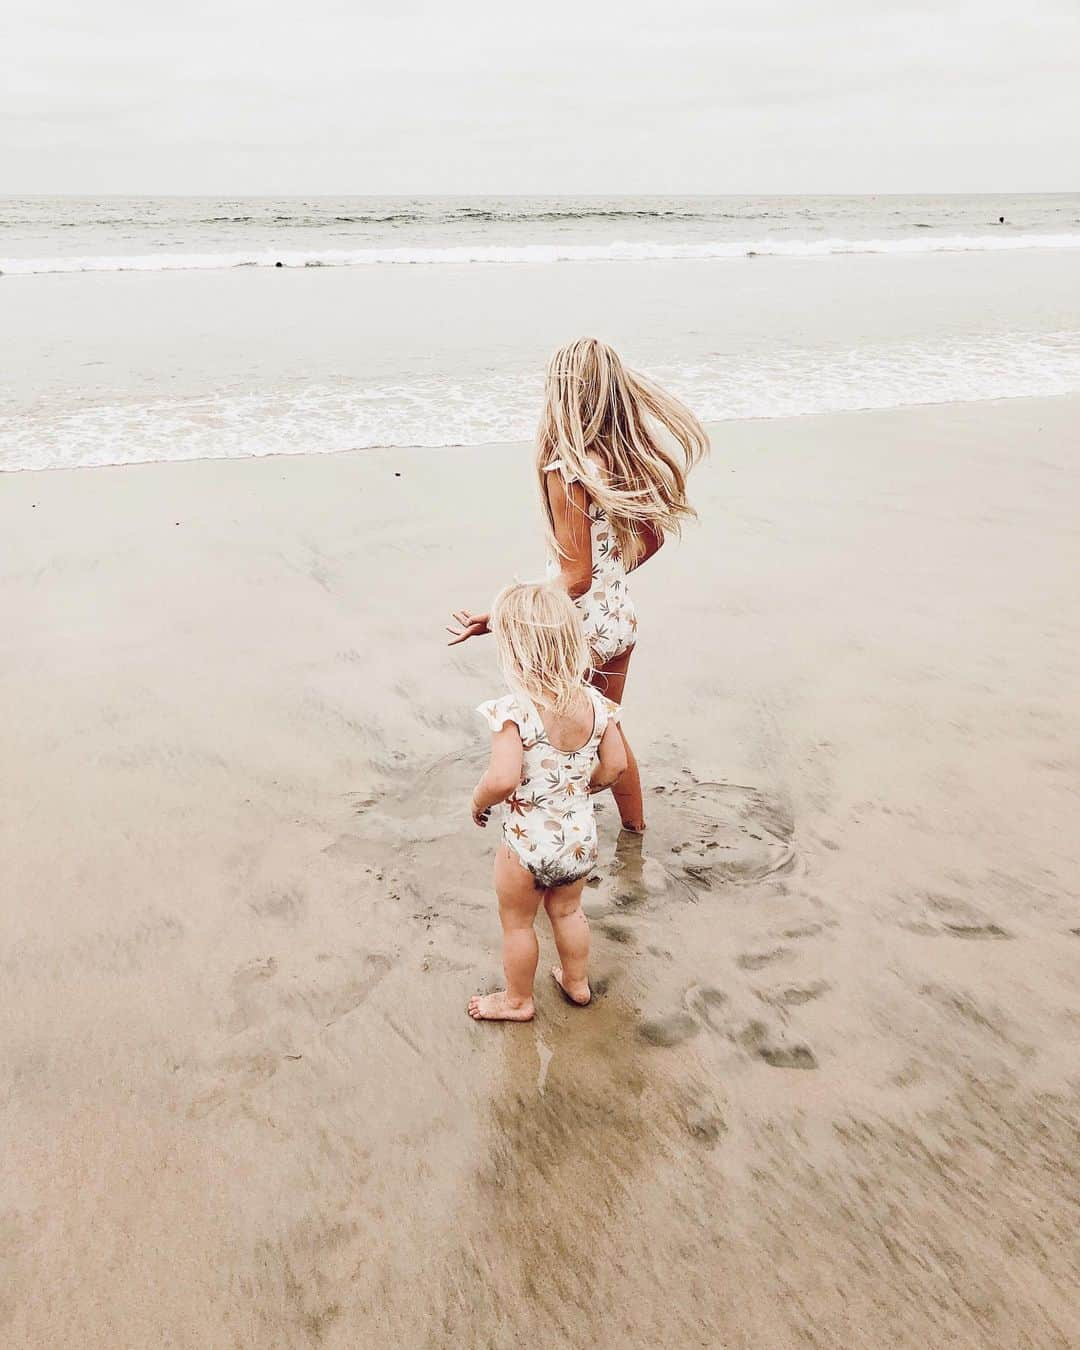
x=250, y=991
x=286, y=906
x=672, y=1029
x=705, y=1125
x=976, y=930
x=767, y=1046
x=807, y=930
x=952, y=917
x=701, y=1113
x=258, y=968
x=792, y=995
x=333, y=996
x=758, y=960
x=706, y=1006
x=701, y=1008
x=617, y=932
x=788, y=1056
x=704, y=1001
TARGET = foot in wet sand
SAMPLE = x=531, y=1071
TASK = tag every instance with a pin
x=499, y=1007
x=579, y=994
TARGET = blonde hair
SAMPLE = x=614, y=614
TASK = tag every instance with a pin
x=595, y=408
x=541, y=643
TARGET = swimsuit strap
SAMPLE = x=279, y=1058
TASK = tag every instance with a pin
x=532, y=728
x=599, y=720
x=605, y=711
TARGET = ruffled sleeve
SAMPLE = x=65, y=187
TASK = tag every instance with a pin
x=593, y=473
x=561, y=466
x=498, y=711
x=606, y=712
x=614, y=712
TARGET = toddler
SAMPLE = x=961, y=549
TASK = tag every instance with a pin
x=554, y=742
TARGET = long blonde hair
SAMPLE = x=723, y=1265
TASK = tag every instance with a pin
x=594, y=408
x=541, y=643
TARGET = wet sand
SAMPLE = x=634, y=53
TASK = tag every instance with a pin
x=829, y=1093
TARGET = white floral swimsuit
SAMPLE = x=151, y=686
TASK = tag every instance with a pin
x=607, y=610
x=549, y=822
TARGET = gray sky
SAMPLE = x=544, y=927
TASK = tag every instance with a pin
x=677, y=95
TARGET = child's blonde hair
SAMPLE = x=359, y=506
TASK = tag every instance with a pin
x=541, y=643
x=595, y=408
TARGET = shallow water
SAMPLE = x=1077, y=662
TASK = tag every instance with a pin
x=106, y=367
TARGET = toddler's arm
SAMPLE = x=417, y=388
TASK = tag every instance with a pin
x=502, y=775
x=612, y=763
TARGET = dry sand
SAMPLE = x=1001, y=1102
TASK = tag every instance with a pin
x=829, y=1095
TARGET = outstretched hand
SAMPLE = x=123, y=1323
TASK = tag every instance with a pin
x=469, y=625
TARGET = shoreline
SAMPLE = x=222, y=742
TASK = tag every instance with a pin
x=829, y=1080
x=712, y=426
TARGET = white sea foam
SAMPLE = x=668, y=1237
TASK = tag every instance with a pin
x=540, y=253
x=444, y=411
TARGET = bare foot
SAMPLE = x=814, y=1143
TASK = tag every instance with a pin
x=579, y=994
x=499, y=1008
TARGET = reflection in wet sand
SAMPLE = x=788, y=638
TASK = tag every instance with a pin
x=569, y=1135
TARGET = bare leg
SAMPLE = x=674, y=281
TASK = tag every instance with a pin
x=570, y=929
x=519, y=899
x=610, y=679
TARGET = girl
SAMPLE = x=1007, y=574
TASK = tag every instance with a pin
x=554, y=741
x=613, y=454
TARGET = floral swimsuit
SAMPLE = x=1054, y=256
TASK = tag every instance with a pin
x=607, y=610
x=548, y=822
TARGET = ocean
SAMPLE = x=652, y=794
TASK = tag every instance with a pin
x=141, y=329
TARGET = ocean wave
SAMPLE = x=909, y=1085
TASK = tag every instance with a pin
x=496, y=254
x=422, y=215
x=444, y=411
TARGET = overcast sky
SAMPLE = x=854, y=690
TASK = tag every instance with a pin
x=677, y=95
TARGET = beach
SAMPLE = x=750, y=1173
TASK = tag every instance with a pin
x=828, y=1092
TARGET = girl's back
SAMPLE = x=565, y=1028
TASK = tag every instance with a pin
x=569, y=730
x=548, y=821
